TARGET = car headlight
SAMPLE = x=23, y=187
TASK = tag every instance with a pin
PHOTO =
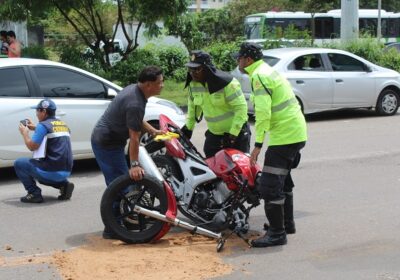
x=171, y=105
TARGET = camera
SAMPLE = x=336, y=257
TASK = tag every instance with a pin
x=24, y=122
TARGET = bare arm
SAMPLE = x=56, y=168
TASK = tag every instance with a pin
x=137, y=172
x=150, y=129
x=27, y=139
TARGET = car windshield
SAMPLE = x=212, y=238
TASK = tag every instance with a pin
x=270, y=60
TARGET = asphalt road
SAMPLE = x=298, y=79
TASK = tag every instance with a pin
x=346, y=209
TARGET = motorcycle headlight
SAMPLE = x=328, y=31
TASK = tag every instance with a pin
x=171, y=105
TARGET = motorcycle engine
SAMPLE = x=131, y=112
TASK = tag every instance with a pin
x=221, y=192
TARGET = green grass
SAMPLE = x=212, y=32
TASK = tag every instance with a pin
x=175, y=92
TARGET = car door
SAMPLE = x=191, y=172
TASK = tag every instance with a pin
x=311, y=82
x=16, y=100
x=80, y=100
x=354, y=84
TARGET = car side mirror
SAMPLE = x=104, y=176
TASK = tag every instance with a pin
x=111, y=93
x=367, y=68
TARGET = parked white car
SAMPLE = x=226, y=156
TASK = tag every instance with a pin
x=80, y=96
x=330, y=79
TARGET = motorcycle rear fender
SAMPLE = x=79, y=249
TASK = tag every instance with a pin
x=171, y=211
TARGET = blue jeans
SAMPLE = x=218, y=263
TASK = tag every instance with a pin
x=112, y=162
x=28, y=173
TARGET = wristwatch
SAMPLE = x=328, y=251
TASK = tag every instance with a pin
x=135, y=163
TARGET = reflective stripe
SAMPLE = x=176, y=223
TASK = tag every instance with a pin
x=58, y=134
x=278, y=202
x=283, y=105
x=274, y=75
x=260, y=91
x=197, y=89
x=234, y=95
x=275, y=170
x=220, y=117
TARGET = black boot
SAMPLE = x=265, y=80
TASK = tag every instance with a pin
x=276, y=234
x=290, y=227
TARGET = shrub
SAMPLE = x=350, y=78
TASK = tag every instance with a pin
x=35, y=51
x=171, y=59
x=221, y=53
x=127, y=71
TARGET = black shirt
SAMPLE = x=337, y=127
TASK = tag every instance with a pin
x=124, y=112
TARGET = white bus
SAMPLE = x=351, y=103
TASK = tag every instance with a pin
x=262, y=26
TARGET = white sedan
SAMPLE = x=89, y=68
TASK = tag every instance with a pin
x=80, y=96
x=330, y=79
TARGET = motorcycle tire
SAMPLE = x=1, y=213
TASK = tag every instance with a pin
x=117, y=208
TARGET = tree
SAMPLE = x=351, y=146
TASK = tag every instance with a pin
x=87, y=18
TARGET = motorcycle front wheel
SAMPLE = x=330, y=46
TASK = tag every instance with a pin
x=117, y=208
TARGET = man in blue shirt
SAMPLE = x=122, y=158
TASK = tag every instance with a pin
x=55, y=166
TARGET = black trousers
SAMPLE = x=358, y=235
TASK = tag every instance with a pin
x=275, y=178
x=214, y=143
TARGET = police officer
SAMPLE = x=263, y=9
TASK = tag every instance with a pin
x=55, y=166
x=218, y=96
x=277, y=113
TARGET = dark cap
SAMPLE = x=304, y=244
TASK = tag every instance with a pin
x=46, y=104
x=251, y=50
x=199, y=58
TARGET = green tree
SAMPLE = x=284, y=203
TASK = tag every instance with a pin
x=87, y=17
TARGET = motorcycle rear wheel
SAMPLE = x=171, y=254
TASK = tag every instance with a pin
x=117, y=206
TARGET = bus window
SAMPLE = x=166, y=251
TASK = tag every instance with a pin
x=323, y=28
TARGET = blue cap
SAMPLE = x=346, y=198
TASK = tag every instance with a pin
x=46, y=104
x=199, y=58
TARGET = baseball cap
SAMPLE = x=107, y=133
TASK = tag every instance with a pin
x=199, y=58
x=251, y=50
x=46, y=104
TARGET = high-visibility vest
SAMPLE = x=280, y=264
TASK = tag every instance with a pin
x=277, y=110
x=225, y=111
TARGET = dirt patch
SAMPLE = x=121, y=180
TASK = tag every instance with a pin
x=177, y=256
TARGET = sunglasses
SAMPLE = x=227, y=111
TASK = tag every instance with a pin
x=195, y=70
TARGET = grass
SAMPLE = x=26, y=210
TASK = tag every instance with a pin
x=175, y=92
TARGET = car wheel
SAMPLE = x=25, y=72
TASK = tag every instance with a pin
x=388, y=103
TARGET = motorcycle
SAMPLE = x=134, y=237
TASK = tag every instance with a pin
x=216, y=193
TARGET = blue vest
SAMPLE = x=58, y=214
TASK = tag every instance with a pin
x=58, y=150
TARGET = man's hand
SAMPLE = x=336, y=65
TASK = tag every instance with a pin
x=24, y=130
x=31, y=125
x=136, y=173
x=254, y=155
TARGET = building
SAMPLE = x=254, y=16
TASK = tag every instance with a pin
x=204, y=5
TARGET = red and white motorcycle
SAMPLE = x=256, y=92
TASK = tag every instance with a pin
x=216, y=194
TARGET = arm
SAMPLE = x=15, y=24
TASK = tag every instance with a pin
x=37, y=138
x=135, y=172
x=262, y=109
x=150, y=129
x=237, y=102
x=190, y=119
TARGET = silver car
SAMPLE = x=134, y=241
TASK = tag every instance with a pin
x=80, y=96
x=330, y=79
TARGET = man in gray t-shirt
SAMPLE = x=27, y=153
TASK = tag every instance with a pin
x=123, y=120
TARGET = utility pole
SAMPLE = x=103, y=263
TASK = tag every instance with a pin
x=349, y=20
x=198, y=6
x=379, y=27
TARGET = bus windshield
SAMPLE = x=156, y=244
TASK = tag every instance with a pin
x=252, y=28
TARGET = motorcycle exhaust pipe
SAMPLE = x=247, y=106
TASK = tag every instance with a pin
x=177, y=222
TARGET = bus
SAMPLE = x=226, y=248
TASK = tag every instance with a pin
x=262, y=26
